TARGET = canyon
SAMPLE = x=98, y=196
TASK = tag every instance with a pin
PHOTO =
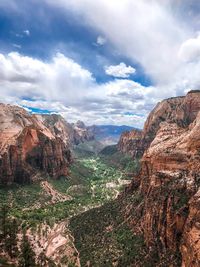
x=160, y=207
x=152, y=220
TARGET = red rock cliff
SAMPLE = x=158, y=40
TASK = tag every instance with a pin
x=168, y=213
x=129, y=143
x=71, y=134
x=28, y=149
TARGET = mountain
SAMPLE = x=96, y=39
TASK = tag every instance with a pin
x=167, y=212
x=28, y=148
x=129, y=143
x=70, y=133
x=108, y=134
x=33, y=146
x=155, y=221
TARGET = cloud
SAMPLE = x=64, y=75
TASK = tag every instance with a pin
x=101, y=40
x=17, y=46
x=60, y=78
x=27, y=32
x=62, y=85
x=149, y=33
x=144, y=31
x=159, y=36
x=190, y=49
x=18, y=35
x=120, y=70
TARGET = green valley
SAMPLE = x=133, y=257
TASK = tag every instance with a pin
x=49, y=204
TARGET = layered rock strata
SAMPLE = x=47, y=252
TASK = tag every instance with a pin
x=28, y=148
x=168, y=210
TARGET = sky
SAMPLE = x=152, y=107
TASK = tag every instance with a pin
x=103, y=62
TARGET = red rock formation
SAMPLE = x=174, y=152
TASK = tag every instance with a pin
x=28, y=148
x=129, y=143
x=81, y=133
x=169, y=182
x=180, y=110
x=71, y=134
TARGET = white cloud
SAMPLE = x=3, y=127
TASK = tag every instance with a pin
x=101, y=40
x=190, y=49
x=19, y=35
x=150, y=33
x=156, y=34
x=147, y=32
x=144, y=31
x=27, y=32
x=120, y=71
x=62, y=85
x=60, y=79
x=17, y=46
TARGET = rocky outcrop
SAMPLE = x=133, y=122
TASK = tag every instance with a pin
x=129, y=143
x=169, y=183
x=81, y=133
x=70, y=133
x=28, y=148
x=180, y=110
x=58, y=126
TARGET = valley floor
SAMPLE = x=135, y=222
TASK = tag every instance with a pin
x=46, y=208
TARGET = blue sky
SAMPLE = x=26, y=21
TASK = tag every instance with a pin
x=104, y=62
x=51, y=30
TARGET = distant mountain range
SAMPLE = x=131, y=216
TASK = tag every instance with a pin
x=108, y=134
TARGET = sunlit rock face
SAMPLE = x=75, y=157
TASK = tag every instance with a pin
x=169, y=181
x=179, y=110
x=28, y=148
x=70, y=133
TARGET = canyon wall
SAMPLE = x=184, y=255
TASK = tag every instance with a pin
x=28, y=149
x=129, y=143
x=168, y=213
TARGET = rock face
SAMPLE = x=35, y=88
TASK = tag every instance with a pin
x=180, y=110
x=28, y=148
x=169, y=183
x=81, y=133
x=70, y=133
x=129, y=143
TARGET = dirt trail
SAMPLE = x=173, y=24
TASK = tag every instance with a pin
x=60, y=241
x=56, y=243
x=55, y=195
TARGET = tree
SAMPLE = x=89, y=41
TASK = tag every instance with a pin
x=4, y=219
x=27, y=257
x=11, y=238
x=42, y=259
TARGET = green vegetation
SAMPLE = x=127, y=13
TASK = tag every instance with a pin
x=27, y=257
x=8, y=232
x=106, y=241
x=23, y=196
x=4, y=263
x=92, y=182
x=89, y=149
x=111, y=156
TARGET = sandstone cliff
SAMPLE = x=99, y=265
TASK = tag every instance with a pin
x=28, y=148
x=167, y=211
x=70, y=133
x=129, y=143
